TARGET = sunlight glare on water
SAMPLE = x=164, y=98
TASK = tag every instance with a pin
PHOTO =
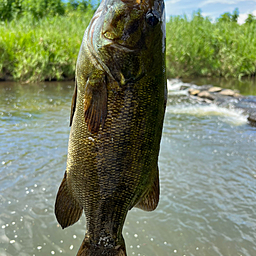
x=207, y=172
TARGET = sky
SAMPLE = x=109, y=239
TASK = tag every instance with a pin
x=212, y=8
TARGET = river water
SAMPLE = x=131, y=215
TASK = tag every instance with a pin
x=207, y=170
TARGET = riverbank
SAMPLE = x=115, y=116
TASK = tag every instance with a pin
x=47, y=49
x=44, y=49
x=199, y=47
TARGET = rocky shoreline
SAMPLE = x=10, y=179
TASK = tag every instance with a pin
x=209, y=94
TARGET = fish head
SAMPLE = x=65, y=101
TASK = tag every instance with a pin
x=126, y=35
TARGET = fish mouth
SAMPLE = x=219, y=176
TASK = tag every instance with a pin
x=122, y=47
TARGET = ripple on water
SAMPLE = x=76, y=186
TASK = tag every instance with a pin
x=207, y=170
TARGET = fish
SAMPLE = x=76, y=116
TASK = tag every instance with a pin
x=116, y=120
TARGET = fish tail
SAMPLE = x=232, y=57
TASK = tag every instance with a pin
x=88, y=249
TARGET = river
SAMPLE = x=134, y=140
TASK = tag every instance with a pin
x=207, y=171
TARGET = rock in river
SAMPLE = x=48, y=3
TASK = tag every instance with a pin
x=252, y=119
x=193, y=92
x=206, y=95
x=215, y=89
x=228, y=92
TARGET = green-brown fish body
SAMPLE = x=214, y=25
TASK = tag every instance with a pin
x=116, y=123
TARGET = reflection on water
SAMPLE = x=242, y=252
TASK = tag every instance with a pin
x=207, y=170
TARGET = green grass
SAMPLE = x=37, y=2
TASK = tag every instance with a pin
x=198, y=47
x=40, y=50
x=47, y=49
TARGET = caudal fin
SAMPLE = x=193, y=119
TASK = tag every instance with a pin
x=87, y=249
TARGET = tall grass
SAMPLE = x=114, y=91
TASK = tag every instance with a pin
x=47, y=48
x=199, y=47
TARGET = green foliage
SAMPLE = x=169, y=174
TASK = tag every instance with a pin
x=40, y=50
x=225, y=17
x=235, y=15
x=9, y=9
x=37, y=9
x=199, y=47
x=35, y=47
x=250, y=19
x=228, y=17
x=77, y=5
x=40, y=40
x=41, y=8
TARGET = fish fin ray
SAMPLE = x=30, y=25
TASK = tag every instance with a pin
x=67, y=210
x=150, y=200
x=73, y=104
x=95, y=104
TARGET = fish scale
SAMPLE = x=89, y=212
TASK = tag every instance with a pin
x=116, y=124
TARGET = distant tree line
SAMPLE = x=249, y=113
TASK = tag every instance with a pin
x=233, y=17
x=37, y=9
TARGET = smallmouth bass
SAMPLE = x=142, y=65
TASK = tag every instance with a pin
x=116, y=123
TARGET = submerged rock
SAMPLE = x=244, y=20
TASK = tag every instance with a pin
x=252, y=119
x=238, y=95
x=228, y=92
x=193, y=92
x=214, y=93
x=215, y=89
x=206, y=95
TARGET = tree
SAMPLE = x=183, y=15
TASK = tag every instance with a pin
x=37, y=9
x=75, y=5
x=9, y=9
x=228, y=17
x=250, y=19
x=40, y=8
x=225, y=17
x=235, y=15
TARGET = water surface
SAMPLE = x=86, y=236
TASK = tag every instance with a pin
x=207, y=171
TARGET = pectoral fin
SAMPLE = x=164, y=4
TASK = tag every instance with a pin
x=95, y=104
x=73, y=104
x=67, y=209
x=150, y=200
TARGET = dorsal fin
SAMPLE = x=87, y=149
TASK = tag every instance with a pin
x=150, y=200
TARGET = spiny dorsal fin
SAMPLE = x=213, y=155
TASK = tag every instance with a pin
x=95, y=104
x=150, y=201
x=73, y=104
x=67, y=209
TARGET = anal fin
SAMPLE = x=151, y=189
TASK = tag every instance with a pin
x=67, y=209
x=150, y=200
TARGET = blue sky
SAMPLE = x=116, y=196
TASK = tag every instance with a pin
x=212, y=8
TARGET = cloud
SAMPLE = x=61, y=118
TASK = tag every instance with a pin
x=243, y=16
x=172, y=1
x=206, y=2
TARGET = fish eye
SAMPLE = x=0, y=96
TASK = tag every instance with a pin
x=151, y=19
